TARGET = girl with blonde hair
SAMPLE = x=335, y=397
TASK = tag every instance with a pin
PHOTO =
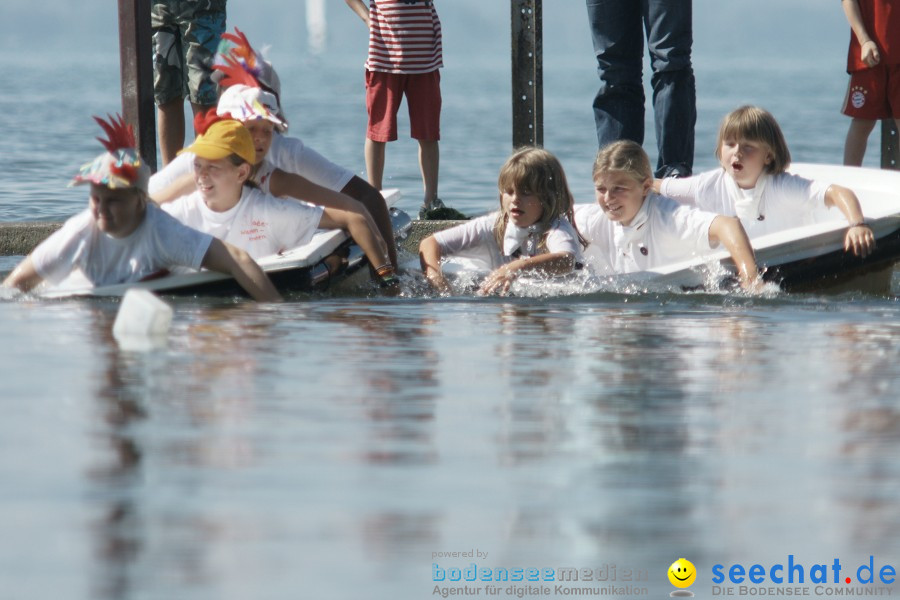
x=532, y=232
x=631, y=228
x=753, y=183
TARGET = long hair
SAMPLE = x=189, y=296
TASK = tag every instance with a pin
x=536, y=171
x=756, y=125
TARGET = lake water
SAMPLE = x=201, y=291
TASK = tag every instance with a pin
x=333, y=446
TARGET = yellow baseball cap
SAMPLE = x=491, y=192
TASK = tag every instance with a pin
x=222, y=139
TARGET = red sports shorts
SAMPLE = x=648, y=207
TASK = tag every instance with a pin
x=874, y=93
x=384, y=91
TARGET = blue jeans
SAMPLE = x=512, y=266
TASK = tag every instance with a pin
x=618, y=28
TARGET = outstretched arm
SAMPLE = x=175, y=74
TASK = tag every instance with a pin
x=285, y=184
x=291, y=185
x=499, y=281
x=24, y=277
x=363, y=232
x=371, y=198
x=225, y=258
x=430, y=259
x=685, y=190
x=730, y=233
x=182, y=186
x=859, y=238
x=868, y=48
x=360, y=8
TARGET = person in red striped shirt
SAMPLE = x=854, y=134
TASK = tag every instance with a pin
x=404, y=57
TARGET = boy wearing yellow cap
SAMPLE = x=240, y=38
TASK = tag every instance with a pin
x=123, y=238
x=225, y=206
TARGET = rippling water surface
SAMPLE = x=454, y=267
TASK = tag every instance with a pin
x=331, y=446
x=327, y=446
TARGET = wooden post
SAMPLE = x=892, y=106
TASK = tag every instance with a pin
x=890, y=148
x=527, y=73
x=136, y=68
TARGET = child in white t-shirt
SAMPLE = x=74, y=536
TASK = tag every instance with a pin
x=123, y=238
x=259, y=223
x=754, y=186
x=252, y=96
x=532, y=232
x=632, y=229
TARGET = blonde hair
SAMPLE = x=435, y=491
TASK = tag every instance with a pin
x=536, y=171
x=756, y=125
x=626, y=157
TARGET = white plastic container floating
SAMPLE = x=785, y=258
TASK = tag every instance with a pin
x=143, y=320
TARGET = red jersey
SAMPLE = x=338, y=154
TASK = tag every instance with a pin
x=404, y=38
x=882, y=22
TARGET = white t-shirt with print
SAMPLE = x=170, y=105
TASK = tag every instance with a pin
x=663, y=232
x=259, y=223
x=787, y=200
x=160, y=242
x=475, y=239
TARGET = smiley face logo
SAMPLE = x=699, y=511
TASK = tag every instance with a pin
x=682, y=573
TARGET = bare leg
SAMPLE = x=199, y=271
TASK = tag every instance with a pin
x=857, y=138
x=170, y=117
x=375, y=162
x=429, y=162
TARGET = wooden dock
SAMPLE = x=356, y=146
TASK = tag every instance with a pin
x=19, y=239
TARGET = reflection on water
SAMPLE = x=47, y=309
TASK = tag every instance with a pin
x=120, y=409
x=327, y=448
x=869, y=428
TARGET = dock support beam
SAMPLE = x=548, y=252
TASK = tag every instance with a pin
x=136, y=67
x=890, y=145
x=527, y=73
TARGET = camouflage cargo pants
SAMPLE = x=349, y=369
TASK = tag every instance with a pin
x=185, y=39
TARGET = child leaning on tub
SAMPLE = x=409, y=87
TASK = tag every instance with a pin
x=226, y=206
x=251, y=93
x=123, y=237
x=754, y=186
x=632, y=229
x=532, y=232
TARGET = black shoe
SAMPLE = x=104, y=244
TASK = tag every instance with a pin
x=677, y=171
x=440, y=212
x=425, y=209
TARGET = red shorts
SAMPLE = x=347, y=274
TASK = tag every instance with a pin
x=874, y=93
x=384, y=91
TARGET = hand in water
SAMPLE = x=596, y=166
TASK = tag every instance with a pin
x=498, y=282
x=860, y=240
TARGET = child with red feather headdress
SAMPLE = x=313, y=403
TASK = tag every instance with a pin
x=123, y=238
